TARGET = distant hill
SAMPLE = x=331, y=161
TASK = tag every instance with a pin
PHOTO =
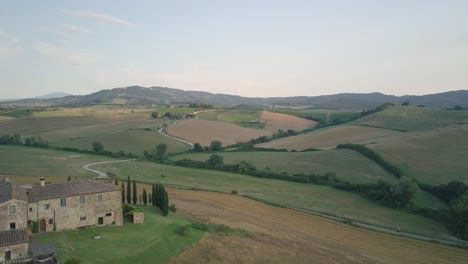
x=137, y=95
x=52, y=95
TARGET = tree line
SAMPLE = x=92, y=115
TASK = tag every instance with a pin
x=158, y=197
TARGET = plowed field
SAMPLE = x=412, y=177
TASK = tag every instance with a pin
x=275, y=121
x=203, y=132
x=286, y=236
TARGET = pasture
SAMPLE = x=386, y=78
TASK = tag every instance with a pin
x=24, y=161
x=275, y=121
x=287, y=236
x=330, y=137
x=294, y=195
x=204, y=131
x=155, y=241
x=434, y=157
x=347, y=164
x=410, y=118
x=325, y=116
x=230, y=115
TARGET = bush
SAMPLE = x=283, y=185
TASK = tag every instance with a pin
x=182, y=231
x=73, y=260
x=173, y=208
x=233, y=192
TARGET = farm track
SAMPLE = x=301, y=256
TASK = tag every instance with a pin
x=100, y=174
x=161, y=131
x=308, y=233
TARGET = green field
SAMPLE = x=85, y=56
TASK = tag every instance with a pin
x=435, y=157
x=347, y=164
x=409, y=118
x=322, y=115
x=155, y=241
x=230, y=115
x=295, y=195
x=17, y=160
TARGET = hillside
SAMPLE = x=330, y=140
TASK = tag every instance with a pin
x=137, y=95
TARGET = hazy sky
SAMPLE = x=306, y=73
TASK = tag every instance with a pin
x=250, y=48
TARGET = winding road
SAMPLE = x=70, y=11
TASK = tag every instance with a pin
x=161, y=131
x=100, y=174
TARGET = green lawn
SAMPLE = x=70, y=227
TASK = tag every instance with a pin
x=434, y=158
x=412, y=118
x=25, y=161
x=155, y=241
x=347, y=164
x=294, y=195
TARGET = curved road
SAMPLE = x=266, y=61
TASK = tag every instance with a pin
x=178, y=139
x=100, y=174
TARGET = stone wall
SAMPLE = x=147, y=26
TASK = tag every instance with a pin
x=138, y=217
x=99, y=206
x=19, y=217
x=19, y=251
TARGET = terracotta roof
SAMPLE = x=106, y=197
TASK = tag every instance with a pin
x=66, y=189
x=9, y=191
x=13, y=237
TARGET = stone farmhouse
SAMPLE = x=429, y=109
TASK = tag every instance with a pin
x=53, y=207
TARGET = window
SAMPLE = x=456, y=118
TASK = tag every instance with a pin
x=30, y=209
x=82, y=199
x=46, y=206
x=12, y=226
x=100, y=220
x=99, y=197
x=12, y=209
x=109, y=214
x=83, y=218
x=63, y=202
x=51, y=221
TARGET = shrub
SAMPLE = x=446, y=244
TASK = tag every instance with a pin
x=182, y=231
x=173, y=208
x=234, y=192
x=73, y=260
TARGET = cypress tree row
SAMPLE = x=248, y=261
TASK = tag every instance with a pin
x=150, y=199
x=129, y=194
x=160, y=198
x=165, y=205
x=135, y=195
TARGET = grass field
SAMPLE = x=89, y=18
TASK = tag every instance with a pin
x=435, y=157
x=16, y=160
x=204, y=131
x=324, y=115
x=230, y=115
x=347, y=164
x=308, y=197
x=155, y=241
x=330, y=137
x=411, y=118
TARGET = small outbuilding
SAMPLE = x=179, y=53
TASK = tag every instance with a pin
x=44, y=254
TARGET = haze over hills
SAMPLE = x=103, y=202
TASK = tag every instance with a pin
x=46, y=96
x=137, y=95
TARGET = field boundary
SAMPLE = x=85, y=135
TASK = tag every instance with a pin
x=162, y=132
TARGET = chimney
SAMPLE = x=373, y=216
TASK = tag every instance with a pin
x=6, y=179
x=42, y=181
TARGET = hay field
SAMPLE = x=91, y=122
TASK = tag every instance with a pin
x=324, y=115
x=203, y=132
x=412, y=118
x=330, y=138
x=275, y=121
x=287, y=236
x=347, y=164
x=434, y=157
x=229, y=115
x=290, y=194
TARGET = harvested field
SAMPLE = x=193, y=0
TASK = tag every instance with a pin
x=287, y=236
x=329, y=138
x=275, y=121
x=203, y=132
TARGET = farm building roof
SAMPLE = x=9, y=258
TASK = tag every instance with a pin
x=9, y=191
x=13, y=237
x=66, y=189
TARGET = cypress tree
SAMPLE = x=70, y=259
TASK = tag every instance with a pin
x=165, y=205
x=145, y=197
x=153, y=191
x=123, y=193
x=135, y=195
x=150, y=199
x=141, y=200
x=69, y=178
x=116, y=182
x=129, y=193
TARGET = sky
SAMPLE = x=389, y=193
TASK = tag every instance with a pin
x=249, y=48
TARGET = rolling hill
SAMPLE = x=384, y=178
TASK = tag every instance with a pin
x=137, y=95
